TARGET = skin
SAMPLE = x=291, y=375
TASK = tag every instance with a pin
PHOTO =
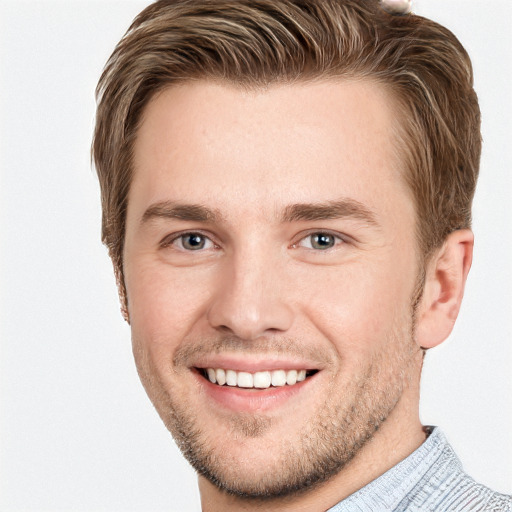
x=260, y=295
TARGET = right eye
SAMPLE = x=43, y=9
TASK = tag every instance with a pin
x=190, y=242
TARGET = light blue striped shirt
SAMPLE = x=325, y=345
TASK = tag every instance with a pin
x=430, y=479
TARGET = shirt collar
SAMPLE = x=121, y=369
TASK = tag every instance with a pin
x=387, y=491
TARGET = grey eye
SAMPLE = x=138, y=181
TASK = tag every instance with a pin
x=193, y=241
x=322, y=241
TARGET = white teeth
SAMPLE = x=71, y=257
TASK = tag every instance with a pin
x=220, y=376
x=278, y=378
x=245, y=380
x=291, y=377
x=230, y=377
x=262, y=380
x=259, y=380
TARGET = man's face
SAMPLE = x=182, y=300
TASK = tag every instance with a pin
x=269, y=235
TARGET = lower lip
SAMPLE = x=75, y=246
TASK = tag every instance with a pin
x=253, y=399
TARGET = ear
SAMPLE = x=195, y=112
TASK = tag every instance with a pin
x=446, y=275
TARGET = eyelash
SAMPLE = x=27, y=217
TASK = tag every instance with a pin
x=337, y=239
x=167, y=242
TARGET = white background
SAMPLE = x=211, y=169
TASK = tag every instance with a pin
x=77, y=431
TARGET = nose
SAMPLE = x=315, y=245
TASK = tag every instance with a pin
x=250, y=298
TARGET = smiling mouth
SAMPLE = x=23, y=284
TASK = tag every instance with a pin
x=256, y=380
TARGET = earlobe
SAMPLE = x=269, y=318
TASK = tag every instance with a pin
x=445, y=279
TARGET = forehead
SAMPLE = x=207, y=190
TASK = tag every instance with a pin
x=210, y=143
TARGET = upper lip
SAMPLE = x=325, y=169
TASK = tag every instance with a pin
x=254, y=364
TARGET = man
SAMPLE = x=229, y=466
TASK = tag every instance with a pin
x=286, y=192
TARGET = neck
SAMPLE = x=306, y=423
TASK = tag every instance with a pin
x=396, y=439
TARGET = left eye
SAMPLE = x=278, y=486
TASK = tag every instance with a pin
x=192, y=242
x=319, y=241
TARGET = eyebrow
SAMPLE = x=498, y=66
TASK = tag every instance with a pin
x=331, y=210
x=344, y=208
x=173, y=210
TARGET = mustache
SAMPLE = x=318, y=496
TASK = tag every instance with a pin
x=190, y=350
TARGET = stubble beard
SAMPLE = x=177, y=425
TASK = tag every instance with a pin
x=343, y=424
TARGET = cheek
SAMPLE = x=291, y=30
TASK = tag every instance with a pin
x=359, y=308
x=165, y=304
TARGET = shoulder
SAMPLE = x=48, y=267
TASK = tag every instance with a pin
x=462, y=494
x=431, y=479
x=445, y=487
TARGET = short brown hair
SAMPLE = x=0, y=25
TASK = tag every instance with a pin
x=260, y=42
